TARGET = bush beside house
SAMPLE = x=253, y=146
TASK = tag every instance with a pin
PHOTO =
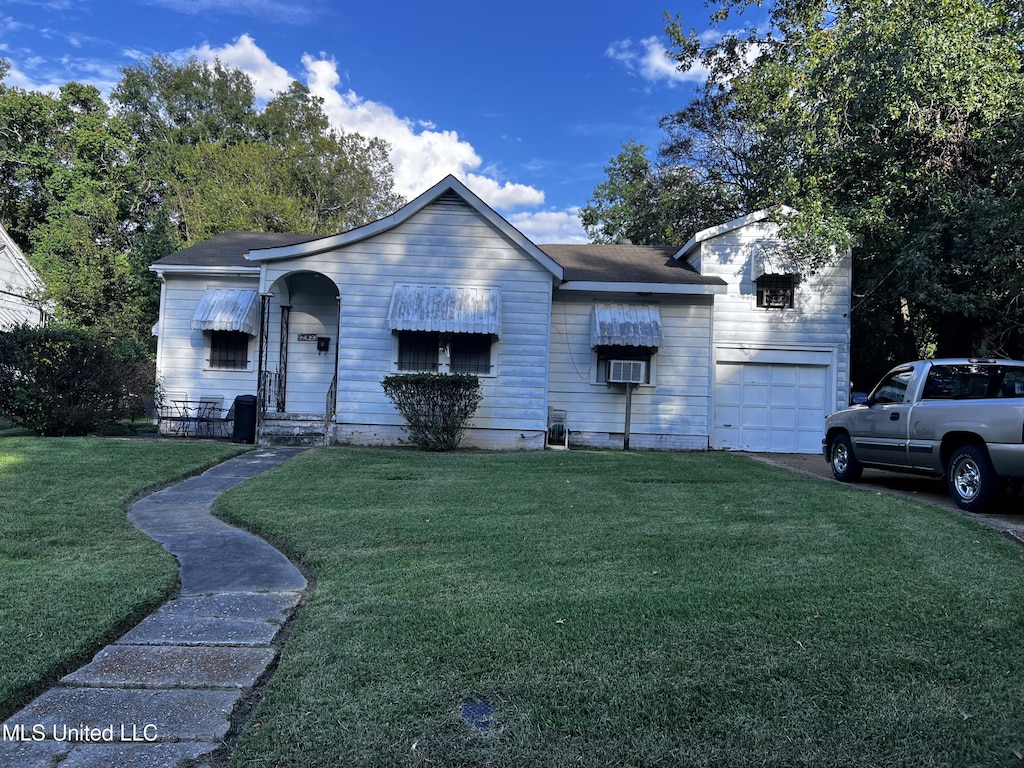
x=61, y=381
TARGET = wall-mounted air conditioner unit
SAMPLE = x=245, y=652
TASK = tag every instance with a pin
x=627, y=371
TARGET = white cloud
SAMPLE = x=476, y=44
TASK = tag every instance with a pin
x=93, y=73
x=650, y=60
x=421, y=154
x=550, y=226
x=507, y=195
x=244, y=54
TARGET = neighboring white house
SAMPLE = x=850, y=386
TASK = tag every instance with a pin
x=313, y=324
x=21, y=287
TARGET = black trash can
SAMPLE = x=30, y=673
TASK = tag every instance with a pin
x=245, y=419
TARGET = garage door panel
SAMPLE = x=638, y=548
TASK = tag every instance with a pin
x=783, y=375
x=808, y=419
x=769, y=407
x=755, y=394
x=782, y=396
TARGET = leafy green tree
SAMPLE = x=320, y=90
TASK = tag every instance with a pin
x=95, y=194
x=218, y=162
x=71, y=200
x=651, y=205
x=898, y=123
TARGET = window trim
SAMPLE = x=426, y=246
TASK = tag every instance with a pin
x=442, y=362
x=789, y=282
x=604, y=354
x=208, y=362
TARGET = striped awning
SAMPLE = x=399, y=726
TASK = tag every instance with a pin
x=228, y=309
x=445, y=309
x=625, y=325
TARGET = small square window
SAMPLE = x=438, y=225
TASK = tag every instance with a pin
x=776, y=291
x=229, y=350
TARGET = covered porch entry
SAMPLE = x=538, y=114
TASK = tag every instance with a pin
x=298, y=359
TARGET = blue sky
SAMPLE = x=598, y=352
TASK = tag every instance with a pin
x=525, y=102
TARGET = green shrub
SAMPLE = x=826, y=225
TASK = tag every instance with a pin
x=67, y=381
x=437, y=407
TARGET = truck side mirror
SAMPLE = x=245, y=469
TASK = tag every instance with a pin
x=860, y=398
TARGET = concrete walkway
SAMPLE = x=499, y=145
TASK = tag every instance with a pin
x=165, y=691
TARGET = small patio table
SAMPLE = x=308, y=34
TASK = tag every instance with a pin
x=193, y=418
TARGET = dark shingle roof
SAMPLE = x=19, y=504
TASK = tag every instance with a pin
x=229, y=248
x=590, y=263
x=625, y=264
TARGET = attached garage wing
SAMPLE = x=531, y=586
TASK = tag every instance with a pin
x=769, y=407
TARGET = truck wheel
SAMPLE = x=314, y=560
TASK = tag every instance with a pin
x=845, y=467
x=972, y=479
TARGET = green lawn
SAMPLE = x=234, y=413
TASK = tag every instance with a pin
x=631, y=609
x=73, y=571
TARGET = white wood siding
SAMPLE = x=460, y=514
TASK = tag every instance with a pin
x=17, y=280
x=672, y=412
x=183, y=355
x=819, y=321
x=446, y=243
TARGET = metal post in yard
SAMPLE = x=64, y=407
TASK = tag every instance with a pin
x=629, y=406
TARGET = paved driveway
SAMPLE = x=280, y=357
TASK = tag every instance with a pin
x=1007, y=516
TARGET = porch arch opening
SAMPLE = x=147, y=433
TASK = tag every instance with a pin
x=301, y=329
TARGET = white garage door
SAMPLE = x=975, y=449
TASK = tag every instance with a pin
x=769, y=407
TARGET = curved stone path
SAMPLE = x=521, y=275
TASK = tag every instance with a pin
x=165, y=691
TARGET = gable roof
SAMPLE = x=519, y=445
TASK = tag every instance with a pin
x=628, y=268
x=447, y=185
x=729, y=226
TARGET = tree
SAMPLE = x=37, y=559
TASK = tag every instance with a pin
x=71, y=198
x=217, y=162
x=896, y=122
x=651, y=205
x=95, y=194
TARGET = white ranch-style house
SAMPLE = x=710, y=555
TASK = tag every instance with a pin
x=718, y=344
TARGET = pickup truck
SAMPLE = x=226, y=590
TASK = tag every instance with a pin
x=959, y=419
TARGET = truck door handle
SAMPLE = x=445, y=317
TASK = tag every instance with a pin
x=894, y=417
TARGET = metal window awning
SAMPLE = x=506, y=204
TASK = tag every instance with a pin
x=625, y=325
x=445, y=309
x=228, y=309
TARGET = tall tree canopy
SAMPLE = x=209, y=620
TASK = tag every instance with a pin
x=897, y=122
x=95, y=192
x=654, y=205
x=221, y=163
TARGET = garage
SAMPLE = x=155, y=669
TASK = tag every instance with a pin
x=767, y=407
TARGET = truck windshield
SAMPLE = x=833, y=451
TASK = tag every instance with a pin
x=973, y=382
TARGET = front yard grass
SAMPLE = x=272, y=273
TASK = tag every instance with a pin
x=630, y=609
x=73, y=570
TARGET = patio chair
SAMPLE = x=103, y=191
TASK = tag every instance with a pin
x=171, y=413
x=210, y=415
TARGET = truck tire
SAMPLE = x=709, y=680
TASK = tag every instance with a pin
x=845, y=466
x=971, y=478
